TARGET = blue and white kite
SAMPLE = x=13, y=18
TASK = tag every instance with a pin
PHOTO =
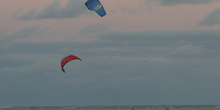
x=95, y=5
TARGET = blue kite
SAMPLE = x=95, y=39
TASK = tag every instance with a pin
x=95, y=5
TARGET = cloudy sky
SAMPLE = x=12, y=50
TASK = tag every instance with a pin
x=143, y=52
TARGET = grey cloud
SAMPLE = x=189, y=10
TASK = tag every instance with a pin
x=129, y=10
x=161, y=38
x=55, y=10
x=6, y=40
x=211, y=19
x=178, y=2
x=147, y=63
x=179, y=44
x=95, y=28
x=166, y=45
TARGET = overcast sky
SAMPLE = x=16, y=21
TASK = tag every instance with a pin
x=143, y=52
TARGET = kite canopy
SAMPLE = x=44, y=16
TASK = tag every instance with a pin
x=95, y=5
x=68, y=59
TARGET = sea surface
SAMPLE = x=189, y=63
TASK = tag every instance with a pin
x=191, y=107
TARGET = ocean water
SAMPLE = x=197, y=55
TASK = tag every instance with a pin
x=196, y=107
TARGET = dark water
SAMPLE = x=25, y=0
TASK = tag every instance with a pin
x=210, y=107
